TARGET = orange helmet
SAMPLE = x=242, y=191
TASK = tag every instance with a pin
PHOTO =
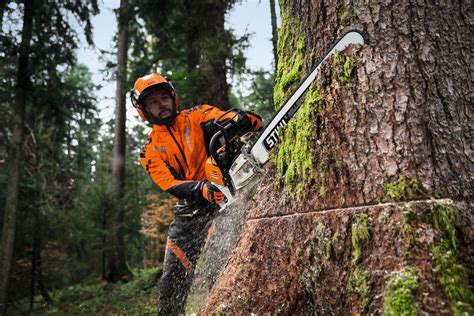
x=144, y=87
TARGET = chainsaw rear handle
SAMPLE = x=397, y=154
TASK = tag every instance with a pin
x=223, y=131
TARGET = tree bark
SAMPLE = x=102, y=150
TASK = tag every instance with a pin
x=116, y=257
x=274, y=33
x=11, y=204
x=205, y=33
x=390, y=143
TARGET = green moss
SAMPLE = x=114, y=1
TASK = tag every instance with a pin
x=300, y=44
x=343, y=73
x=408, y=230
x=314, y=253
x=385, y=215
x=336, y=240
x=444, y=219
x=401, y=189
x=358, y=284
x=452, y=275
x=324, y=243
x=309, y=278
x=360, y=235
x=320, y=243
x=322, y=191
x=291, y=63
x=295, y=156
x=345, y=16
x=399, y=293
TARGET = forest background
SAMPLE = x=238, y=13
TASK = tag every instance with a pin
x=77, y=211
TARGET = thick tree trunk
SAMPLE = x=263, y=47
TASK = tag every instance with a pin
x=385, y=222
x=14, y=158
x=205, y=29
x=117, y=267
x=274, y=33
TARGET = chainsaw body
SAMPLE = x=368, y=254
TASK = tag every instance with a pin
x=228, y=159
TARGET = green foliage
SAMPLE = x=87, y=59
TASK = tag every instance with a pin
x=399, y=293
x=185, y=41
x=260, y=98
x=138, y=296
x=452, y=275
x=295, y=156
x=360, y=234
x=400, y=189
x=358, y=284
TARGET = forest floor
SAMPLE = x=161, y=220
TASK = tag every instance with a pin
x=139, y=296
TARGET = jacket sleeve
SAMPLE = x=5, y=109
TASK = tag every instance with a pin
x=246, y=121
x=167, y=178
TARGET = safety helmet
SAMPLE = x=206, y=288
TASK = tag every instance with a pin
x=143, y=88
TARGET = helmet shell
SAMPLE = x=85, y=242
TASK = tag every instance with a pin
x=146, y=85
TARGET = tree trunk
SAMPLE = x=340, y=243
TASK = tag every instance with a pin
x=274, y=33
x=33, y=265
x=39, y=276
x=3, y=4
x=383, y=223
x=105, y=250
x=117, y=267
x=11, y=204
x=205, y=33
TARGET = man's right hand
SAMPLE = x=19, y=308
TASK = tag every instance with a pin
x=212, y=193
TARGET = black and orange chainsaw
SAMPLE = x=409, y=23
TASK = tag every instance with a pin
x=235, y=160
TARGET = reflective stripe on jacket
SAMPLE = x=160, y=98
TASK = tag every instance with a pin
x=175, y=155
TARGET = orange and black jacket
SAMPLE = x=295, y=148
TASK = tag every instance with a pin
x=175, y=155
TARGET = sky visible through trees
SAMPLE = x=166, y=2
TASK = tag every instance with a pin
x=250, y=16
x=64, y=197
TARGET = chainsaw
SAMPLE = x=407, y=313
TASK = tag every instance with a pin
x=235, y=160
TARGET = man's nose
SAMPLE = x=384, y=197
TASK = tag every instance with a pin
x=160, y=103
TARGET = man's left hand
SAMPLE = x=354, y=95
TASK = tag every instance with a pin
x=212, y=193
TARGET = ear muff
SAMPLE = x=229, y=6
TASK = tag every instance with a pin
x=134, y=99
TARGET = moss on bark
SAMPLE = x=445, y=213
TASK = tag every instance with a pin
x=399, y=295
x=452, y=275
x=295, y=158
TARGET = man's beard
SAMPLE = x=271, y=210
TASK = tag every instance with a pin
x=163, y=121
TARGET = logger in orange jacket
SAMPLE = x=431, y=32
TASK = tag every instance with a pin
x=175, y=157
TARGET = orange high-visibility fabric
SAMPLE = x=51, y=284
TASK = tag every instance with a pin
x=170, y=165
x=180, y=255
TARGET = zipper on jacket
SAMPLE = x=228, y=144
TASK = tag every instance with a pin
x=179, y=147
x=181, y=168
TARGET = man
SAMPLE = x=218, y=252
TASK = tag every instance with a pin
x=175, y=157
